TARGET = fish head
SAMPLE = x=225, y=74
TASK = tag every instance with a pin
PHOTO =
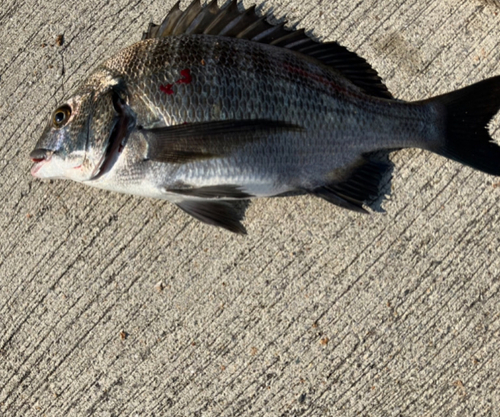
x=76, y=139
x=61, y=150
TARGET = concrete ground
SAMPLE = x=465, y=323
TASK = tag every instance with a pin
x=113, y=305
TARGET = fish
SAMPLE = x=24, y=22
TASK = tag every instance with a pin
x=216, y=106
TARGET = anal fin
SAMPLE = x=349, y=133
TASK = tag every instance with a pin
x=362, y=184
x=225, y=214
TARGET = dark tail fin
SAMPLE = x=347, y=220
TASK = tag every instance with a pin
x=467, y=114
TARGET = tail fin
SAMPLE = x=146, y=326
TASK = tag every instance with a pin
x=467, y=114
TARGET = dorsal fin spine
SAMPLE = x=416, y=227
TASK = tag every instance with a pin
x=229, y=21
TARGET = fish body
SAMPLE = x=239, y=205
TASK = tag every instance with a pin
x=210, y=108
x=238, y=80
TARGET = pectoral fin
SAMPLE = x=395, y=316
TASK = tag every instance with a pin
x=197, y=141
x=212, y=191
x=226, y=214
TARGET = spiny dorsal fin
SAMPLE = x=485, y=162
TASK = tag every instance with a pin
x=229, y=21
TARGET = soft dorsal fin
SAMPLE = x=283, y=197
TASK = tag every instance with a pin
x=229, y=21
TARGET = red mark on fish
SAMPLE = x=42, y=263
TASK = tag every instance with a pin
x=167, y=89
x=186, y=78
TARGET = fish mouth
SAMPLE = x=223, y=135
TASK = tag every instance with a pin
x=35, y=168
x=40, y=157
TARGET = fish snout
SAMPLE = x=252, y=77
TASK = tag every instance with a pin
x=39, y=155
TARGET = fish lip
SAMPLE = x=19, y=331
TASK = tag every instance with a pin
x=40, y=157
x=35, y=168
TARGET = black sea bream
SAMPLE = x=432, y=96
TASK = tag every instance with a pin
x=216, y=105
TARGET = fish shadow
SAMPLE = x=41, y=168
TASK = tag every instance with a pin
x=240, y=207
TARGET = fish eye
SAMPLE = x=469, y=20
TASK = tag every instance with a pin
x=61, y=116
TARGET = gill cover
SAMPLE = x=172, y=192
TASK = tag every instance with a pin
x=105, y=131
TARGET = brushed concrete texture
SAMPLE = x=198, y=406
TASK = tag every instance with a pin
x=112, y=305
